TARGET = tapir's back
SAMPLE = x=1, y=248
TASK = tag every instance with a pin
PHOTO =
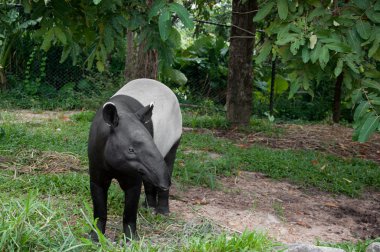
x=166, y=117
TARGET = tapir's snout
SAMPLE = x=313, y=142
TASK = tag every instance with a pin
x=165, y=186
x=157, y=175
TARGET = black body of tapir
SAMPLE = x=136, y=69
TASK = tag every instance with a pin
x=134, y=139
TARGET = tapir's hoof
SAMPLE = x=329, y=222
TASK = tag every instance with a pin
x=93, y=236
x=162, y=211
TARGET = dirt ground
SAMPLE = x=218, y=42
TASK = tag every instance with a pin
x=287, y=213
x=252, y=201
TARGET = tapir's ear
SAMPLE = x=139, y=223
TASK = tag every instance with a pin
x=110, y=115
x=145, y=113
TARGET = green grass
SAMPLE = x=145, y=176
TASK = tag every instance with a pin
x=50, y=212
x=306, y=168
x=194, y=164
x=217, y=120
x=36, y=223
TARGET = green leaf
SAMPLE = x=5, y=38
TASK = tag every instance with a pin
x=48, y=37
x=364, y=29
x=315, y=53
x=108, y=38
x=60, y=35
x=376, y=7
x=282, y=8
x=371, y=84
x=361, y=110
x=90, y=59
x=295, y=46
x=183, y=14
x=305, y=54
x=294, y=87
x=263, y=11
x=176, y=76
x=356, y=95
x=175, y=38
x=339, y=67
x=324, y=57
x=339, y=47
x=375, y=46
x=280, y=85
x=164, y=24
x=350, y=63
x=100, y=66
x=354, y=40
x=264, y=52
x=155, y=9
x=375, y=100
x=286, y=38
x=347, y=80
x=320, y=11
x=362, y=4
x=96, y=2
x=65, y=53
x=373, y=15
x=372, y=73
x=368, y=128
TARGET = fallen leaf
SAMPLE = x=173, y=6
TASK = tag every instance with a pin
x=331, y=204
x=303, y=224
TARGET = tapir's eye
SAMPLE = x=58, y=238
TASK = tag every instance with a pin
x=131, y=150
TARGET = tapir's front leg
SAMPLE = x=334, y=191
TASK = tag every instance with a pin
x=99, y=190
x=132, y=190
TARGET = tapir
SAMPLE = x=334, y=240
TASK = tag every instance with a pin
x=134, y=139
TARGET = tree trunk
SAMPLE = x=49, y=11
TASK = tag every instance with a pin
x=240, y=72
x=3, y=79
x=337, y=98
x=140, y=63
x=5, y=52
x=271, y=98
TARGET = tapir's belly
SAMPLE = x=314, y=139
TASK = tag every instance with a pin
x=166, y=117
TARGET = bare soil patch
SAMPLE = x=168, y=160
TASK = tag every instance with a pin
x=37, y=117
x=286, y=212
x=333, y=139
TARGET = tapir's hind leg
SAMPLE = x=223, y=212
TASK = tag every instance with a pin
x=163, y=196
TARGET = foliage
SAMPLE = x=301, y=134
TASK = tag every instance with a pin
x=12, y=27
x=212, y=17
x=94, y=28
x=204, y=63
x=329, y=38
x=88, y=93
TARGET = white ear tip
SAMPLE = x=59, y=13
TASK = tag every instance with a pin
x=111, y=103
x=151, y=104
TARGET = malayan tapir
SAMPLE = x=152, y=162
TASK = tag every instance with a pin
x=133, y=139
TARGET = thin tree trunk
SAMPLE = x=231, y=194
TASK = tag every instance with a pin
x=240, y=72
x=337, y=98
x=140, y=63
x=272, y=83
x=4, y=57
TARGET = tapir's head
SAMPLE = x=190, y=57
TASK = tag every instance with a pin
x=130, y=147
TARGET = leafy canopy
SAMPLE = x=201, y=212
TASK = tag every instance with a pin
x=320, y=40
x=93, y=28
